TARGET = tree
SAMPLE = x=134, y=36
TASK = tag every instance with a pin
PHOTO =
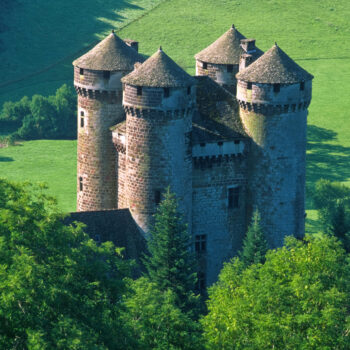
x=170, y=264
x=254, y=244
x=58, y=288
x=162, y=308
x=332, y=200
x=298, y=299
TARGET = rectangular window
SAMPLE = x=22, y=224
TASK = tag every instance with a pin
x=201, y=282
x=139, y=91
x=220, y=143
x=233, y=197
x=302, y=86
x=80, y=183
x=200, y=244
x=205, y=65
x=106, y=74
x=166, y=92
x=229, y=68
x=82, y=122
x=237, y=142
x=276, y=87
x=81, y=71
x=157, y=197
x=202, y=144
x=249, y=86
x=189, y=90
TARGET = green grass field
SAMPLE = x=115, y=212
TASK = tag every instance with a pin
x=314, y=33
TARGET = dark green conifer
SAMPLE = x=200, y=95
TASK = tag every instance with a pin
x=254, y=244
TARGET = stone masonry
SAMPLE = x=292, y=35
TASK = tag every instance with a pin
x=228, y=141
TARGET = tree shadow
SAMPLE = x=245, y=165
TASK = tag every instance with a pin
x=6, y=159
x=324, y=160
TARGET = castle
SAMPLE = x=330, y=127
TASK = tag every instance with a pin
x=227, y=141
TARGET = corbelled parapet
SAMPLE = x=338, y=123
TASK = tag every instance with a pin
x=97, y=80
x=274, y=93
x=159, y=98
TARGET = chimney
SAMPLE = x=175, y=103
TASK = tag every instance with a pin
x=132, y=43
x=248, y=50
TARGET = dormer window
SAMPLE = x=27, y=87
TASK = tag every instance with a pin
x=249, y=86
x=302, y=86
x=205, y=65
x=81, y=71
x=166, y=92
x=229, y=68
x=276, y=87
x=139, y=91
x=106, y=74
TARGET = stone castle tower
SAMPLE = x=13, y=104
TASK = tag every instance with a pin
x=97, y=76
x=227, y=141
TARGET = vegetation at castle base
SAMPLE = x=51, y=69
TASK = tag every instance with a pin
x=332, y=201
x=52, y=117
x=163, y=309
x=299, y=299
x=254, y=244
x=58, y=288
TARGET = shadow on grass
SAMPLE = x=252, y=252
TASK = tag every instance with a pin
x=6, y=159
x=324, y=160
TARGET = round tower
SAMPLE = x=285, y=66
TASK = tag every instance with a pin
x=274, y=94
x=159, y=97
x=221, y=60
x=97, y=76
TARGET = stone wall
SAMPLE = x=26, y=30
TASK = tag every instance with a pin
x=220, y=74
x=224, y=227
x=276, y=122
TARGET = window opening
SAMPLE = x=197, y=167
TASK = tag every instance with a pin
x=200, y=244
x=220, y=143
x=82, y=122
x=205, y=65
x=237, y=142
x=201, y=279
x=189, y=90
x=166, y=92
x=233, y=197
x=229, y=68
x=276, y=87
x=157, y=196
x=106, y=74
x=302, y=86
x=81, y=71
x=139, y=91
x=202, y=144
x=249, y=86
x=80, y=183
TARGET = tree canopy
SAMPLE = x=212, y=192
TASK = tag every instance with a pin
x=298, y=299
x=58, y=288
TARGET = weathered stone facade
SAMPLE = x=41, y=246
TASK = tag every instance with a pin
x=230, y=140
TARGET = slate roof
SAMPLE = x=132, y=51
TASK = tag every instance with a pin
x=111, y=54
x=274, y=67
x=159, y=71
x=217, y=117
x=117, y=226
x=225, y=50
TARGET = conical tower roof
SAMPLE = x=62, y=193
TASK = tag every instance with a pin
x=274, y=67
x=225, y=50
x=111, y=54
x=159, y=71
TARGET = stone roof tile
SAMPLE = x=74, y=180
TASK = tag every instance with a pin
x=111, y=54
x=225, y=50
x=159, y=71
x=274, y=67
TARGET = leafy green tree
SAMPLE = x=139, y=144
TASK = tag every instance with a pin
x=162, y=308
x=58, y=288
x=254, y=244
x=332, y=200
x=298, y=299
x=170, y=263
x=14, y=112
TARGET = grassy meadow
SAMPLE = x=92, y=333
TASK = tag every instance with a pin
x=314, y=33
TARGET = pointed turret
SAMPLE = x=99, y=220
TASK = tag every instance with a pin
x=274, y=67
x=159, y=71
x=111, y=54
